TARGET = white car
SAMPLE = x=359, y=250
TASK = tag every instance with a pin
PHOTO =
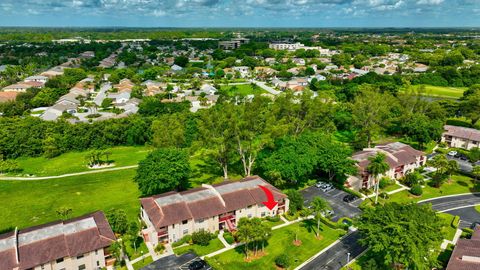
x=452, y=153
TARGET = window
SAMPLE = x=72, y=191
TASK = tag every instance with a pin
x=185, y=231
x=98, y=263
x=200, y=220
x=60, y=260
x=249, y=215
x=79, y=257
x=96, y=252
x=185, y=222
x=82, y=267
x=263, y=214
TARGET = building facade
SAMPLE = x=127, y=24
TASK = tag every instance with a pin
x=461, y=137
x=401, y=158
x=76, y=244
x=171, y=216
x=233, y=44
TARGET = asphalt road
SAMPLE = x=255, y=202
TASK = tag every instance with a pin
x=468, y=216
x=463, y=165
x=173, y=262
x=335, y=199
x=336, y=257
x=447, y=204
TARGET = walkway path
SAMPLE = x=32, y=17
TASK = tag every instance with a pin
x=14, y=178
x=266, y=87
x=445, y=243
x=224, y=242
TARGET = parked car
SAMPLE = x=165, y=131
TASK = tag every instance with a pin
x=197, y=265
x=320, y=184
x=452, y=153
x=327, y=188
x=328, y=213
x=349, y=198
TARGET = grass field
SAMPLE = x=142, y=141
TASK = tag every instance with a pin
x=28, y=203
x=281, y=242
x=477, y=208
x=146, y=261
x=215, y=244
x=75, y=161
x=243, y=90
x=442, y=91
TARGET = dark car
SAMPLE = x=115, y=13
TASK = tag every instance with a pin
x=349, y=198
x=197, y=265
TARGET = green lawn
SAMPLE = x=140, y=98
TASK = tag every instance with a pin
x=281, y=242
x=243, y=90
x=146, y=261
x=443, y=91
x=448, y=230
x=477, y=208
x=459, y=184
x=215, y=244
x=390, y=188
x=73, y=162
x=28, y=203
x=130, y=248
x=273, y=223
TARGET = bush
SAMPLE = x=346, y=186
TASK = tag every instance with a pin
x=416, y=190
x=282, y=261
x=229, y=238
x=384, y=195
x=384, y=182
x=412, y=179
x=186, y=239
x=273, y=219
x=365, y=191
x=160, y=248
x=455, y=222
x=201, y=238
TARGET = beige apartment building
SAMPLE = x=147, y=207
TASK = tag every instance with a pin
x=401, y=159
x=461, y=137
x=171, y=216
x=77, y=244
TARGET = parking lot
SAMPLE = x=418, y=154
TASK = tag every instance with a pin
x=174, y=262
x=335, y=199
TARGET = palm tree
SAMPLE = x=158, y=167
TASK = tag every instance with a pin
x=319, y=207
x=377, y=167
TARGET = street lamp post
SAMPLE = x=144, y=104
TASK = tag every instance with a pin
x=348, y=257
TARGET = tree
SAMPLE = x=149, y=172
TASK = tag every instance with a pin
x=422, y=129
x=334, y=160
x=201, y=237
x=296, y=200
x=169, y=131
x=470, y=107
x=181, y=61
x=253, y=233
x=163, y=170
x=403, y=236
x=107, y=103
x=441, y=163
x=319, y=206
x=371, y=112
x=117, y=218
x=377, y=167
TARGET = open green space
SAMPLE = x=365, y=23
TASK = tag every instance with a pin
x=214, y=245
x=74, y=162
x=390, y=188
x=144, y=262
x=281, y=242
x=450, y=224
x=135, y=248
x=243, y=90
x=442, y=91
x=28, y=203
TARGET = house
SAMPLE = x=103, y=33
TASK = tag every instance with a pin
x=244, y=71
x=466, y=254
x=52, y=73
x=420, y=68
x=78, y=243
x=17, y=87
x=171, y=216
x=299, y=61
x=38, y=78
x=319, y=77
x=176, y=68
x=8, y=96
x=401, y=159
x=461, y=137
x=208, y=89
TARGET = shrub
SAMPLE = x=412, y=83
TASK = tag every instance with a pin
x=384, y=182
x=186, y=239
x=412, y=179
x=455, y=221
x=384, y=195
x=416, y=190
x=365, y=191
x=282, y=261
x=273, y=219
x=229, y=238
x=201, y=238
x=160, y=248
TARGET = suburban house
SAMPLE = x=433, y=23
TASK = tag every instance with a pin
x=37, y=78
x=243, y=70
x=79, y=243
x=466, y=255
x=17, y=87
x=171, y=216
x=400, y=157
x=461, y=137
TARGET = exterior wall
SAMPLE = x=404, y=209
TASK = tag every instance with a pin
x=456, y=142
x=89, y=260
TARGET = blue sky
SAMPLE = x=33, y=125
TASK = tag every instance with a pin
x=241, y=13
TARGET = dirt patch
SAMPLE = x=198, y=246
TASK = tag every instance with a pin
x=319, y=237
x=297, y=243
x=252, y=256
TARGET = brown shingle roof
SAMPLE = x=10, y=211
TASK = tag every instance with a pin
x=462, y=132
x=48, y=242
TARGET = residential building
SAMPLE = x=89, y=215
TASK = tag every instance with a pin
x=81, y=243
x=17, y=87
x=171, y=216
x=37, y=78
x=466, y=254
x=8, y=96
x=401, y=159
x=461, y=137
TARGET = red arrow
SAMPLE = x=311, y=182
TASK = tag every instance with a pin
x=271, y=203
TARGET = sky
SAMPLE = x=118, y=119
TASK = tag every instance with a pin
x=241, y=13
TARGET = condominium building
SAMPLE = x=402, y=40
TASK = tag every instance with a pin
x=461, y=137
x=401, y=159
x=233, y=44
x=171, y=216
x=77, y=244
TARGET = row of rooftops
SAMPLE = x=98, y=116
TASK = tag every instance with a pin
x=206, y=201
x=462, y=133
x=25, y=249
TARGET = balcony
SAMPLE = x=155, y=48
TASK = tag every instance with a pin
x=162, y=233
x=226, y=217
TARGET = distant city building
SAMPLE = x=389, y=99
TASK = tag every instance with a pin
x=233, y=44
x=298, y=46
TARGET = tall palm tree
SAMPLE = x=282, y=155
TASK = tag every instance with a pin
x=377, y=167
x=319, y=207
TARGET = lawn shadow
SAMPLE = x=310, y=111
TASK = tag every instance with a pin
x=311, y=225
x=462, y=183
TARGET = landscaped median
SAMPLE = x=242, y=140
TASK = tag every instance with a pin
x=281, y=243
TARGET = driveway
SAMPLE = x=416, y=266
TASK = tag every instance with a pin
x=335, y=199
x=266, y=87
x=173, y=262
x=464, y=165
x=336, y=256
